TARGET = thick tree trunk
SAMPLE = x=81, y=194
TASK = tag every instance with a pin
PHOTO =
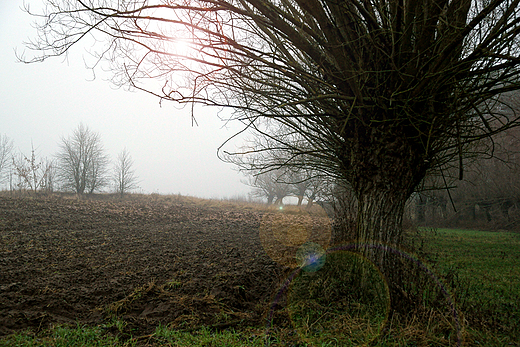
x=379, y=223
x=386, y=170
x=379, y=235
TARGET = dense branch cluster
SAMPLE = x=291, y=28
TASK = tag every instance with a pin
x=82, y=161
x=340, y=74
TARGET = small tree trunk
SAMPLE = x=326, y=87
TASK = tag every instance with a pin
x=444, y=209
x=504, y=208
x=421, y=206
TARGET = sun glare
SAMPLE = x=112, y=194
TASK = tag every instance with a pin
x=181, y=47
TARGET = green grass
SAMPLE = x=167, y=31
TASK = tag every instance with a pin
x=63, y=336
x=481, y=270
x=344, y=303
x=206, y=337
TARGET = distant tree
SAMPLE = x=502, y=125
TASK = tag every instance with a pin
x=82, y=162
x=281, y=190
x=489, y=189
x=124, y=174
x=300, y=187
x=33, y=172
x=6, y=147
x=305, y=183
x=318, y=188
x=270, y=185
x=49, y=179
x=262, y=187
x=492, y=183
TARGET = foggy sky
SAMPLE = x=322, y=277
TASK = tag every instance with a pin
x=43, y=102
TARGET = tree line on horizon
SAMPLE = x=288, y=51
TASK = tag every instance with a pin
x=81, y=165
x=487, y=196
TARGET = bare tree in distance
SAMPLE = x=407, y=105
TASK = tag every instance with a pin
x=305, y=183
x=269, y=185
x=82, y=162
x=281, y=191
x=6, y=148
x=300, y=187
x=317, y=189
x=374, y=93
x=33, y=172
x=124, y=174
x=49, y=180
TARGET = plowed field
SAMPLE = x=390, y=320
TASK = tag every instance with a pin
x=148, y=261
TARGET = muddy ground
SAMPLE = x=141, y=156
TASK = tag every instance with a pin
x=146, y=260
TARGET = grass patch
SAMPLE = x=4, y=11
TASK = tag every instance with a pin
x=207, y=337
x=483, y=270
x=344, y=303
x=64, y=336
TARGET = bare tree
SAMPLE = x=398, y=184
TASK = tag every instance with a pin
x=305, y=183
x=82, y=162
x=375, y=93
x=317, y=189
x=281, y=191
x=33, y=172
x=6, y=147
x=124, y=174
x=299, y=187
x=269, y=185
x=49, y=179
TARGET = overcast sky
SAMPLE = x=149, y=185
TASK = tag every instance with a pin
x=44, y=102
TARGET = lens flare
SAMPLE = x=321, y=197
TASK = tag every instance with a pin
x=311, y=257
x=346, y=302
x=283, y=232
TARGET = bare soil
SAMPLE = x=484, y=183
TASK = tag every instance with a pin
x=147, y=261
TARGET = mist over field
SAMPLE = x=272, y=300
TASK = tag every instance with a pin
x=44, y=102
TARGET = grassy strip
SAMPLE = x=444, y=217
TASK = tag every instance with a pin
x=207, y=337
x=64, y=336
x=482, y=269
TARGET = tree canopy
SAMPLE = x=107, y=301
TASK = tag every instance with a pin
x=339, y=74
x=82, y=162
